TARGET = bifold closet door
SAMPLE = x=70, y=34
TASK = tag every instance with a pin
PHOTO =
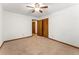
x=39, y=27
x=45, y=27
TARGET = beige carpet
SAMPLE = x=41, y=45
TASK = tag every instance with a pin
x=36, y=45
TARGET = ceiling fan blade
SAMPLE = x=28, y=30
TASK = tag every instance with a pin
x=33, y=11
x=30, y=6
x=40, y=11
x=44, y=7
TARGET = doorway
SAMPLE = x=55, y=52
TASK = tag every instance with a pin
x=40, y=27
x=34, y=26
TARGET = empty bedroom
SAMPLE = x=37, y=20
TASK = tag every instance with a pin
x=39, y=29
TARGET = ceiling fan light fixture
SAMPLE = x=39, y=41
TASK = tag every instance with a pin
x=37, y=9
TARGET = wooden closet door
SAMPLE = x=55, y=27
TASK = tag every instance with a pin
x=39, y=27
x=45, y=27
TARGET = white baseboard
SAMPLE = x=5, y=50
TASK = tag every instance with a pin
x=1, y=42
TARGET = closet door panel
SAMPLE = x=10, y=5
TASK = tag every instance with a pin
x=45, y=27
x=39, y=27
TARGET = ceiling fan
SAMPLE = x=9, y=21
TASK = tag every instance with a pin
x=37, y=7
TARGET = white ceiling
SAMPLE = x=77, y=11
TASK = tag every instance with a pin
x=21, y=8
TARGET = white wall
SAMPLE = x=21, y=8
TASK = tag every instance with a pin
x=64, y=25
x=0, y=25
x=16, y=25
